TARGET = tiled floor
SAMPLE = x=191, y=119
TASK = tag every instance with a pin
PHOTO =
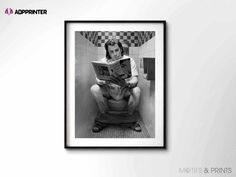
x=116, y=131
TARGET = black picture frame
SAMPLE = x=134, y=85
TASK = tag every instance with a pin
x=67, y=23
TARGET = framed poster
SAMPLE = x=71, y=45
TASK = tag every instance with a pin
x=115, y=84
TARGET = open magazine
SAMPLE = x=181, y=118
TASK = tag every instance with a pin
x=106, y=71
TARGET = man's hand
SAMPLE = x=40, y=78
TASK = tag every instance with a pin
x=133, y=82
x=100, y=82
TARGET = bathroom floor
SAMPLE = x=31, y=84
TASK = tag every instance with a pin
x=116, y=131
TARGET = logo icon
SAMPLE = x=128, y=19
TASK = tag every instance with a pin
x=9, y=11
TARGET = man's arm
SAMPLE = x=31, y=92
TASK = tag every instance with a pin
x=133, y=82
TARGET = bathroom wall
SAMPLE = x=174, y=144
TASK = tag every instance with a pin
x=134, y=53
x=85, y=108
x=147, y=99
x=101, y=52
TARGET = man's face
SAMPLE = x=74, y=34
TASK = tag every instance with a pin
x=114, y=52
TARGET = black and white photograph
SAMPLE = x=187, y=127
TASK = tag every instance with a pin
x=115, y=83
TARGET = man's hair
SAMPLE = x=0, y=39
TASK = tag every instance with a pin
x=112, y=42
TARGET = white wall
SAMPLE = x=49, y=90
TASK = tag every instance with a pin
x=201, y=40
x=148, y=49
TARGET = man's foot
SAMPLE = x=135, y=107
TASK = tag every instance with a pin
x=97, y=127
x=136, y=127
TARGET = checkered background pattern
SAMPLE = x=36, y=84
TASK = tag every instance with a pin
x=92, y=36
x=144, y=36
x=133, y=38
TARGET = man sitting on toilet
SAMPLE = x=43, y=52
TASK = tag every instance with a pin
x=104, y=90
